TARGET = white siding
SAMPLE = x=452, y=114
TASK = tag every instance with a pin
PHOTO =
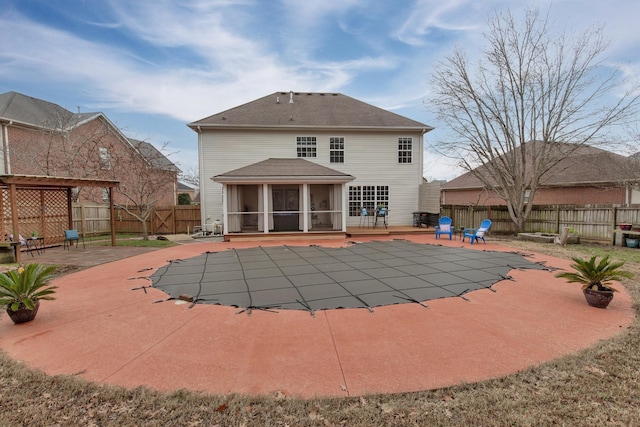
x=371, y=157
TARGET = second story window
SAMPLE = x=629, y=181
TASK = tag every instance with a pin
x=336, y=150
x=105, y=158
x=306, y=146
x=404, y=150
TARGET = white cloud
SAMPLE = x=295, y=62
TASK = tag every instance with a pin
x=186, y=60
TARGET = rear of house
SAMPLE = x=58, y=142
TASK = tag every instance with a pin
x=367, y=157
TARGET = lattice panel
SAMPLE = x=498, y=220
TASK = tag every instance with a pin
x=39, y=211
x=56, y=215
x=6, y=215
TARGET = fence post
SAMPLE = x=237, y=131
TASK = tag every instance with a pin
x=82, y=219
x=173, y=223
x=614, y=221
x=558, y=220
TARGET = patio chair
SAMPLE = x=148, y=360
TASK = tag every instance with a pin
x=71, y=236
x=364, y=217
x=29, y=245
x=477, y=233
x=383, y=213
x=444, y=227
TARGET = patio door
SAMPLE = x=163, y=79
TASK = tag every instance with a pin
x=286, y=207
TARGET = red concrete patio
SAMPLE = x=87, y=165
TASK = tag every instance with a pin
x=100, y=329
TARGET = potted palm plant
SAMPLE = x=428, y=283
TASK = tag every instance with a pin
x=21, y=291
x=595, y=277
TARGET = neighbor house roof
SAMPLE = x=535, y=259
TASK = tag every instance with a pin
x=26, y=110
x=586, y=165
x=284, y=170
x=153, y=155
x=308, y=109
x=183, y=186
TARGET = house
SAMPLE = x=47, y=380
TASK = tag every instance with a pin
x=41, y=138
x=184, y=188
x=307, y=161
x=586, y=176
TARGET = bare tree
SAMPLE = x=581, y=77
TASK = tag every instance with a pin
x=191, y=176
x=154, y=178
x=534, y=98
x=65, y=145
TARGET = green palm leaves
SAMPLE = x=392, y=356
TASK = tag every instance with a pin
x=26, y=285
x=595, y=273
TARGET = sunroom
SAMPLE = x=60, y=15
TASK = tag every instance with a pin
x=284, y=195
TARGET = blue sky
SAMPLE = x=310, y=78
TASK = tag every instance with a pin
x=152, y=66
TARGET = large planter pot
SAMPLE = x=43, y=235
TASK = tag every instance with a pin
x=23, y=314
x=599, y=299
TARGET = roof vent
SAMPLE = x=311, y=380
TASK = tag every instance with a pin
x=277, y=100
x=291, y=97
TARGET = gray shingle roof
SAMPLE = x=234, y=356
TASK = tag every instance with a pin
x=286, y=169
x=32, y=111
x=153, y=155
x=308, y=109
x=585, y=165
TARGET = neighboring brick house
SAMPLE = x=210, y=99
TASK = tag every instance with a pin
x=589, y=176
x=184, y=188
x=308, y=161
x=41, y=138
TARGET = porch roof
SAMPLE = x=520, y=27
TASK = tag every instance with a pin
x=54, y=182
x=295, y=170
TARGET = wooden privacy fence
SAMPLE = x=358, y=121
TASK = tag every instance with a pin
x=94, y=219
x=591, y=223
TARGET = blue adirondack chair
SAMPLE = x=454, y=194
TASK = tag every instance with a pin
x=474, y=234
x=444, y=227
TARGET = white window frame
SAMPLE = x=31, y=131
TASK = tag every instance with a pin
x=336, y=149
x=306, y=146
x=405, y=150
x=367, y=196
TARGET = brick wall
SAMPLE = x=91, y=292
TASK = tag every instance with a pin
x=37, y=152
x=587, y=195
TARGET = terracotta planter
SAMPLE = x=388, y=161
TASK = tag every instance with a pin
x=599, y=299
x=23, y=314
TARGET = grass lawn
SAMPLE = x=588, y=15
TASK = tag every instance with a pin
x=598, y=386
x=133, y=240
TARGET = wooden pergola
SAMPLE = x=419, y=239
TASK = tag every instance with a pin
x=14, y=183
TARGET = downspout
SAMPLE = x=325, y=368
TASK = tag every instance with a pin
x=203, y=206
x=5, y=147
